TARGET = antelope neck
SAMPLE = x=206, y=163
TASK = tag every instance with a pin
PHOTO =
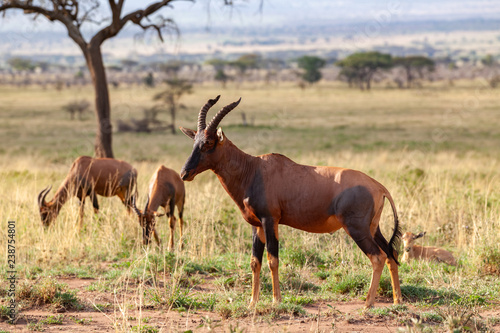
x=236, y=170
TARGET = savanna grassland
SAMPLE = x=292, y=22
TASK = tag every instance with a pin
x=437, y=150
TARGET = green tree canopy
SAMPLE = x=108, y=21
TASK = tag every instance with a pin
x=246, y=61
x=311, y=66
x=414, y=64
x=21, y=64
x=488, y=60
x=217, y=63
x=219, y=66
x=363, y=65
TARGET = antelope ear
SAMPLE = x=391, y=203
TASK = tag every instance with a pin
x=220, y=135
x=419, y=235
x=158, y=214
x=189, y=132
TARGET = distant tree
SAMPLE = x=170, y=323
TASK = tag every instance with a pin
x=79, y=75
x=491, y=75
x=488, y=60
x=222, y=77
x=172, y=67
x=363, y=65
x=220, y=74
x=244, y=63
x=171, y=96
x=350, y=75
x=414, y=65
x=149, y=80
x=76, y=16
x=43, y=65
x=311, y=66
x=21, y=64
x=273, y=66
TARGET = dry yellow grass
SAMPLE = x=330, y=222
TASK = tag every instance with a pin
x=441, y=166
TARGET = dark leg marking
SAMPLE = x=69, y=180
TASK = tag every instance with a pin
x=94, y=201
x=272, y=243
x=257, y=246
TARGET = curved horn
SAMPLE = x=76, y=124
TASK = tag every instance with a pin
x=221, y=114
x=136, y=210
x=147, y=204
x=203, y=113
x=42, y=195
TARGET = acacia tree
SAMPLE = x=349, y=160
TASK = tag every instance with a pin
x=311, y=66
x=75, y=15
x=244, y=63
x=361, y=66
x=412, y=64
x=220, y=74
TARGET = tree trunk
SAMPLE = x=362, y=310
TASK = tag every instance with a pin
x=172, y=113
x=369, y=77
x=409, y=77
x=103, y=141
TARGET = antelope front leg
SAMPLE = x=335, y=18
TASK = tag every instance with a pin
x=156, y=236
x=95, y=203
x=171, y=222
x=258, y=245
x=272, y=247
x=181, y=227
x=81, y=213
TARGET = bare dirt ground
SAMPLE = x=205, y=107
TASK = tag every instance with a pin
x=320, y=317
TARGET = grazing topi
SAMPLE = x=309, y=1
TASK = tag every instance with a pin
x=166, y=189
x=90, y=177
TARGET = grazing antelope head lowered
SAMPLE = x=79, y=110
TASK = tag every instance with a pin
x=166, y=189
x=272, y=189
x=90, y=177
x=47, y=213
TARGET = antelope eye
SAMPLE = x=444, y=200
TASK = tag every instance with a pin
x=207, y=145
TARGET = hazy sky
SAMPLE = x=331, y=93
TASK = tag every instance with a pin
x=211, y=13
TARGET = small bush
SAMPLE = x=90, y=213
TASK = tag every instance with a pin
x=491, y=261
x=53, y=320
x=300, y=257
x=47, y=292
x=4, y=312
x=144, y=329
x=351, y=284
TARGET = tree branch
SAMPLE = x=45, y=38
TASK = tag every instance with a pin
x=136, y=18
x=65, y=17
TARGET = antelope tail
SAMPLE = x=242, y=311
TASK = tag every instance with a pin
x=397, y=228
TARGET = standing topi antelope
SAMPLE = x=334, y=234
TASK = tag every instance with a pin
x=272, y=189
x=90, y=177
x=166, y=189
x=413, y=251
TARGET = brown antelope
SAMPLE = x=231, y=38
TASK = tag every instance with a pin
x=166, y=189
x=431, y=253
x=90, y=177
x=272, y=189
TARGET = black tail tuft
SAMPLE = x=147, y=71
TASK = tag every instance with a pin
x=394, y=242
x=386, y=247
x=395, y=239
